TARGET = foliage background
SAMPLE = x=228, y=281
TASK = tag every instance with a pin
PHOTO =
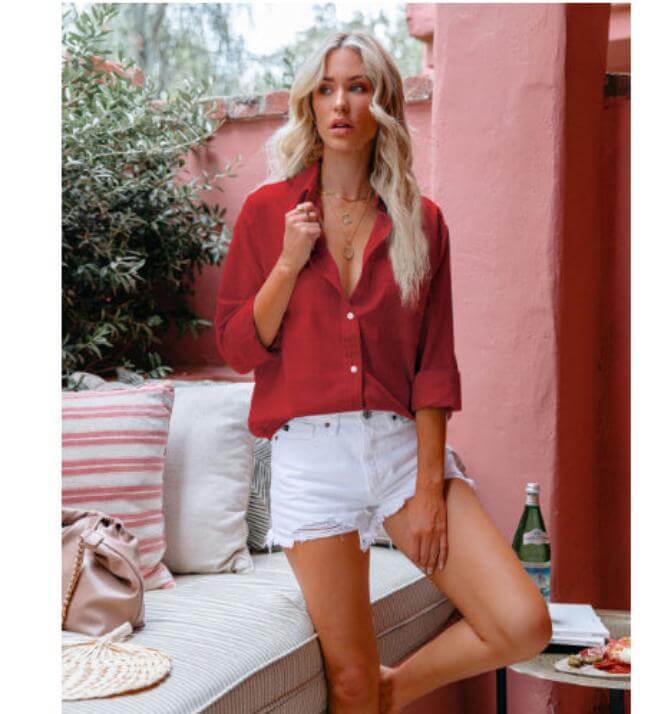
x=134, y=231
x=173, y=43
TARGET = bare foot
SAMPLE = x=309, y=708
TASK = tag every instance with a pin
x=387, y=698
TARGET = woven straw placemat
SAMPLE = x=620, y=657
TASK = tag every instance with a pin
x=102, y=666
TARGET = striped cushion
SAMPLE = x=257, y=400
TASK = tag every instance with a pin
x=259, y=507
x=113, y=457
x=242, y=644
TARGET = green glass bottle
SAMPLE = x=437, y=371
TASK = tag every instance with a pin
x=531, y=542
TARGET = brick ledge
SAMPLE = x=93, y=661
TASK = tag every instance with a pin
x=275, y=104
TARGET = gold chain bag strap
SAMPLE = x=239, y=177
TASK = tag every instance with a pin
x=101, y=582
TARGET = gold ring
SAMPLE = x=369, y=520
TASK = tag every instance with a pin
x=300, y=209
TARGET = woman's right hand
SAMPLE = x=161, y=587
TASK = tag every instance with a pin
x=301, y=234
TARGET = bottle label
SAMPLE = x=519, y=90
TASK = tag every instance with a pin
x=535, y=537
x=541, y=576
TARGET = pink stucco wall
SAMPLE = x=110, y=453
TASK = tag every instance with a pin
x=498, y=128
x=529, y=162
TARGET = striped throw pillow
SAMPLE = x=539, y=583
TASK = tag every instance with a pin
x=259, y=507
x=113, y=458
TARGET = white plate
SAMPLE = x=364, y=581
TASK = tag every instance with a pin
x=587, y=670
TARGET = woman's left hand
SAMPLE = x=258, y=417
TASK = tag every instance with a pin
x=427, y=523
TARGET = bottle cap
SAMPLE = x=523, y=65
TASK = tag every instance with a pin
x=532, y=488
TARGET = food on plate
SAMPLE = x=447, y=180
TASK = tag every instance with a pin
x=621, y=650
x=614, y=657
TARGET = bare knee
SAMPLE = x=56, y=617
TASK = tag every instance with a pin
x=354, y=684
x=528, y=631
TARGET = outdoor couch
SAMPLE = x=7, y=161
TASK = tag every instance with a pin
x=244, y=643
x=241, y=641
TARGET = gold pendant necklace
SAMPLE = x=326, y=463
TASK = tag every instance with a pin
x=345, y=216
x=347, y=250
x=346, y=219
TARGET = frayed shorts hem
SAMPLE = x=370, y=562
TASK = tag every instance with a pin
x=366, y=534
x=367, y=526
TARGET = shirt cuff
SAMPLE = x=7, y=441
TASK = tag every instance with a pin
x=437, y=388
x=243, y=349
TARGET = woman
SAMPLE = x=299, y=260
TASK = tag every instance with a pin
x=336, y=291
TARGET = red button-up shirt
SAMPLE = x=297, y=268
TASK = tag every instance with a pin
x=334, y=353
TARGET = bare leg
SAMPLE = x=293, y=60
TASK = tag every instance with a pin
x=334, y=577
x=505, y=619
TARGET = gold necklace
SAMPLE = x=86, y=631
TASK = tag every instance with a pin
x=349, y=200
x=347, y=250
x=345, y=215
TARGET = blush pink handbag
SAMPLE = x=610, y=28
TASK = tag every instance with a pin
x=101, y=582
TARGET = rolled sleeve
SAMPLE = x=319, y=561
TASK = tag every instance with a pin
x=237, y=340
x=437, y=381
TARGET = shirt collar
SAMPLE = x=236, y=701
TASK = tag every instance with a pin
x=305, y=185
x=308, y=188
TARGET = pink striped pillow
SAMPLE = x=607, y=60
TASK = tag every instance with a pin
x=113, y=458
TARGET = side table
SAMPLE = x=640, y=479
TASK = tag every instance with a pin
x=618, y=623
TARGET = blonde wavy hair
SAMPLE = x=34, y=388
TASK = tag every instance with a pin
x=297, y=144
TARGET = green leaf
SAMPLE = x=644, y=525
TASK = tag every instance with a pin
x=133, y=236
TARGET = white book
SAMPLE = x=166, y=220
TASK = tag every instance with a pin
x=576, y=624
x=578, y=641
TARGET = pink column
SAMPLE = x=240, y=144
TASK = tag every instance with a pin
x=516, y=129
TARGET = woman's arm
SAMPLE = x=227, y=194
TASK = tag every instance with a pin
x=436, y=392
x=431, y=432
x=437, y=381
x=237, y=340
x=273, y=297
x=250, y=306
x=271, y=301
x=426, y=508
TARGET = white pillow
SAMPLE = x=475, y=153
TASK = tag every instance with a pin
x=208, y=470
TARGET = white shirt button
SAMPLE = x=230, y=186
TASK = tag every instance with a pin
x=350, y=315
x=354, y=369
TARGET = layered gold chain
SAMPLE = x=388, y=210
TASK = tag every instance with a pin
x=346, y=218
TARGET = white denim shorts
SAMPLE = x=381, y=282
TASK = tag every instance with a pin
x=341, y=472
